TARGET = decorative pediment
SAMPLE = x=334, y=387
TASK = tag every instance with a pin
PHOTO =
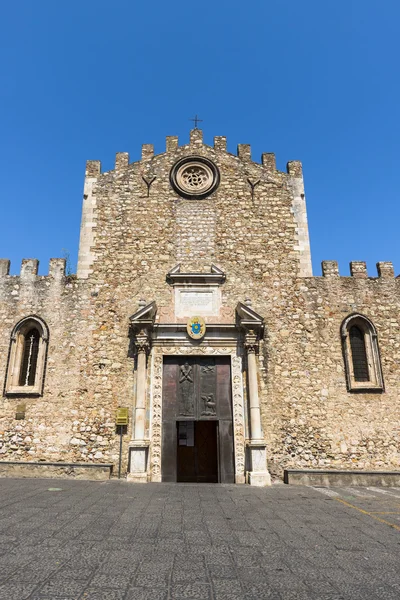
x=217, y=271
x=215, y=277
x=145, y=316
x=249, y=319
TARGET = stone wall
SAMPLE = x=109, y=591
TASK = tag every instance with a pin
x=135, y=229
x=67, y=422
x=310, y=419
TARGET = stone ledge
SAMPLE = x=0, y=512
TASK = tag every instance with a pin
x=60, y=470
x=329, y=478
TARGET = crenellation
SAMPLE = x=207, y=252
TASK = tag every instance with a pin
x=29, y=269
x=4, y=267
x=57, y=268
x=294, y=168
x=268, y=160
x=244, y=152
x=93, y=168
x=147, y=151
x=220, y=143
x=358, y=269
x=330, y=268
x=196, y=137
x=121, y=160
x=385, y=270
x=172, y=142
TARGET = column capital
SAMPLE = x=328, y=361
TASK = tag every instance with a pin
x=143, y=341
x=251, y=342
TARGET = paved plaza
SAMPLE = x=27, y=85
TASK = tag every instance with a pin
x=113, y=540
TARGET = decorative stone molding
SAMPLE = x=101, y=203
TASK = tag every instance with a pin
x=17, y=348
x=156, y=404
x=196, y=293
x=248, y=320
x=251, y=342
x=142, y=324
x=143, y=341
x=194, y=177
x=145, y=316
x=375, y=377
x=215, y=277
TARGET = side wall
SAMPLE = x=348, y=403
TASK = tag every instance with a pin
x=74, y=419
x=310, y=419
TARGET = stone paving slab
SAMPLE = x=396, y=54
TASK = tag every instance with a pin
x=112, y=540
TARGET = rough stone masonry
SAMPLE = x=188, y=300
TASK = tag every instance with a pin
x=199, y=220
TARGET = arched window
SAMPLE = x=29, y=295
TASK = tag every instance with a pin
x=361, y=354
x=30, y=353
x=27, y=357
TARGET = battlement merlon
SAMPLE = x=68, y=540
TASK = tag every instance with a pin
x=268, y=159
x=121, y=161
x=29, y=270
x=4, y=267
x=358, y=269
x=294, y=168
x=93, y=169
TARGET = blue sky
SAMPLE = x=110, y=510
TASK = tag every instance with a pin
x=312, y=81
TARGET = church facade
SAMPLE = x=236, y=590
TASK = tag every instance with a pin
x=195, y=309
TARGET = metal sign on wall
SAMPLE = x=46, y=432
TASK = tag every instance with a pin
x=122, y=416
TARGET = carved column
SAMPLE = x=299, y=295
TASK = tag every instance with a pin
x=257, y=449
x=138, y=447
x=142, y=350
x=251, y=345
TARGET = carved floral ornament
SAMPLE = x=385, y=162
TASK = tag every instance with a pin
x=194, y=177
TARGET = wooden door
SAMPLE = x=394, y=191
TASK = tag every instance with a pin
x=197, y=458
x=197, y=390
x=206, y=448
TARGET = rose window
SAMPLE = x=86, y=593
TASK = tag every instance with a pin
x=194, y=177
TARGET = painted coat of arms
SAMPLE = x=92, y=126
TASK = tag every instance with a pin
x=196, y=328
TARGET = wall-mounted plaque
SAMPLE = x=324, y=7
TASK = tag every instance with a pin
x=191, y=302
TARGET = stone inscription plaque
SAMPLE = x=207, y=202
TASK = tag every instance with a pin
x=196, y=302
